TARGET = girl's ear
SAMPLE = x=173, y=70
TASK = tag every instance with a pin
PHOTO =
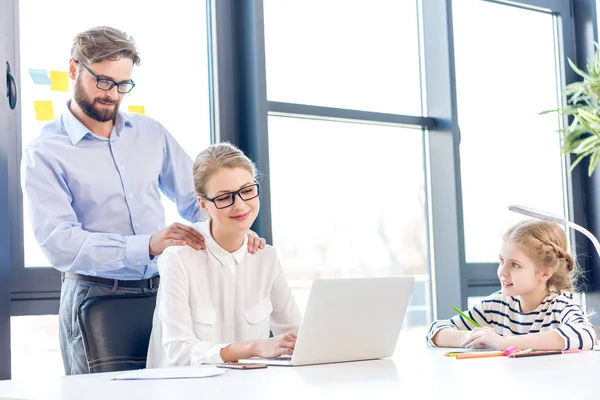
x=546, y=273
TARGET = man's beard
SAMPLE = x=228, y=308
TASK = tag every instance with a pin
x=89, y=108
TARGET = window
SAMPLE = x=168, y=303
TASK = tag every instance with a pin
x=347, y=196
x=344, y=54
x=509, y=153
x=348, y=200
x=35, y=350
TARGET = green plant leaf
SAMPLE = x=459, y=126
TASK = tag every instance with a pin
x=578, y=146
x=577, y=161
x=577, y=70
x=581, y=136
x=595, y=157
x=581, y=157
x=587, y=144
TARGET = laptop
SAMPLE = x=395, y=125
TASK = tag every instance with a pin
x=349, y=319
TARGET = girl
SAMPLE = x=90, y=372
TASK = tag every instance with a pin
x=219, y=305
x=535, y=308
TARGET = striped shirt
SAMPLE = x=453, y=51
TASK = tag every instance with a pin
x=558, y=312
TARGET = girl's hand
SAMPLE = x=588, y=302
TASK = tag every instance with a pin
x=485, y=337
x=276, y=346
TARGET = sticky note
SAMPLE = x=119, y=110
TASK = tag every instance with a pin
x=137, y=110
x=40, y=76
x=43, y=110
x=60, y=81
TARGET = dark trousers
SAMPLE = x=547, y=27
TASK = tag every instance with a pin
x=72, y=294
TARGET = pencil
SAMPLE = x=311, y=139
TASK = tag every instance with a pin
x=538, y=353
x=466, y=316
x=470, y=351
x=544, y=353
x=480, y=355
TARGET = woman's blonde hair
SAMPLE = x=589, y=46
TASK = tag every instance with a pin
x=103, y=43
x=215, y=157
x=545, y=243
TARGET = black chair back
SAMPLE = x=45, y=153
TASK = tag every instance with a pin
x=116, y=331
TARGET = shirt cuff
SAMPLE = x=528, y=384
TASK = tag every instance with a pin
x=211, y=356
x=566, y=339
x=137, y=250
x=435, y=328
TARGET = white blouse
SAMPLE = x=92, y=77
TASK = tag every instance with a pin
x=208, y=299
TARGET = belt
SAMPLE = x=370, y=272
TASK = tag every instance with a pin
x=151, y=283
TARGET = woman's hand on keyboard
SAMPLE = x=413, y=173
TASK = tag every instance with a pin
x=275, y=346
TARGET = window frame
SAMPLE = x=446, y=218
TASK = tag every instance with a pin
x=5, y=242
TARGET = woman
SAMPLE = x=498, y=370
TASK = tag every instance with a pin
x=220, y=304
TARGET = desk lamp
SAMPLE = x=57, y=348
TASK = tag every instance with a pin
x=555, y=218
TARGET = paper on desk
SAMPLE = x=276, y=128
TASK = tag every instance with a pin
x=171, y=373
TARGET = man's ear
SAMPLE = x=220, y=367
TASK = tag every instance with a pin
x=73, y=70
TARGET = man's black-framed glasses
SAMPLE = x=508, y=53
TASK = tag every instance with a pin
x=227, y=199
x=107, y=84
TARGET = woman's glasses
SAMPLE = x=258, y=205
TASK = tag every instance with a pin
x=227, y=199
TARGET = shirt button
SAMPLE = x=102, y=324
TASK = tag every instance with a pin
x=137, y=225
x=139, y=263
x=131, y=196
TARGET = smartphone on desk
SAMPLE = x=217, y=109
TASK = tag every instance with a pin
x=241, y=366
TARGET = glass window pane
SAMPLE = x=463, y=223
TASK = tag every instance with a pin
x=182, y=109
x=34, y=346
x=341, y=53
x=348, y=201
x=509, y=153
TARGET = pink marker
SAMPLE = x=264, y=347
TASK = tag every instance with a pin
x=512, y=349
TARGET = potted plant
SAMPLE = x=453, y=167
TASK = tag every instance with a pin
x=582, y=135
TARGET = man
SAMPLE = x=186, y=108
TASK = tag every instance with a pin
x=92, y=180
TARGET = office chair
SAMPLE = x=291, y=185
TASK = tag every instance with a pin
x=116, y=331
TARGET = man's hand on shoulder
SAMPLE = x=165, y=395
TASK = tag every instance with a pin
x=176, y=234
x=255, y=243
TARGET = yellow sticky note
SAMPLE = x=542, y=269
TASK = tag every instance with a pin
x=60, y=81
x=43, y=110
x=137, y=110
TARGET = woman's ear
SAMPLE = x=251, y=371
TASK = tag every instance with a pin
x=203, y=206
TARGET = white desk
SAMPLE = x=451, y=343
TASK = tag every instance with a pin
x=415, y=372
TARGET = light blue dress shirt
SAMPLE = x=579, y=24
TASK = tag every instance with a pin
x=94, y=202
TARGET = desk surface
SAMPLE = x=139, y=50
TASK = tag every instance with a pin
x=414, y=372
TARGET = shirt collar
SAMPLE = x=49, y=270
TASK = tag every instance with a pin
x=77, y=131
x=216, y=250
